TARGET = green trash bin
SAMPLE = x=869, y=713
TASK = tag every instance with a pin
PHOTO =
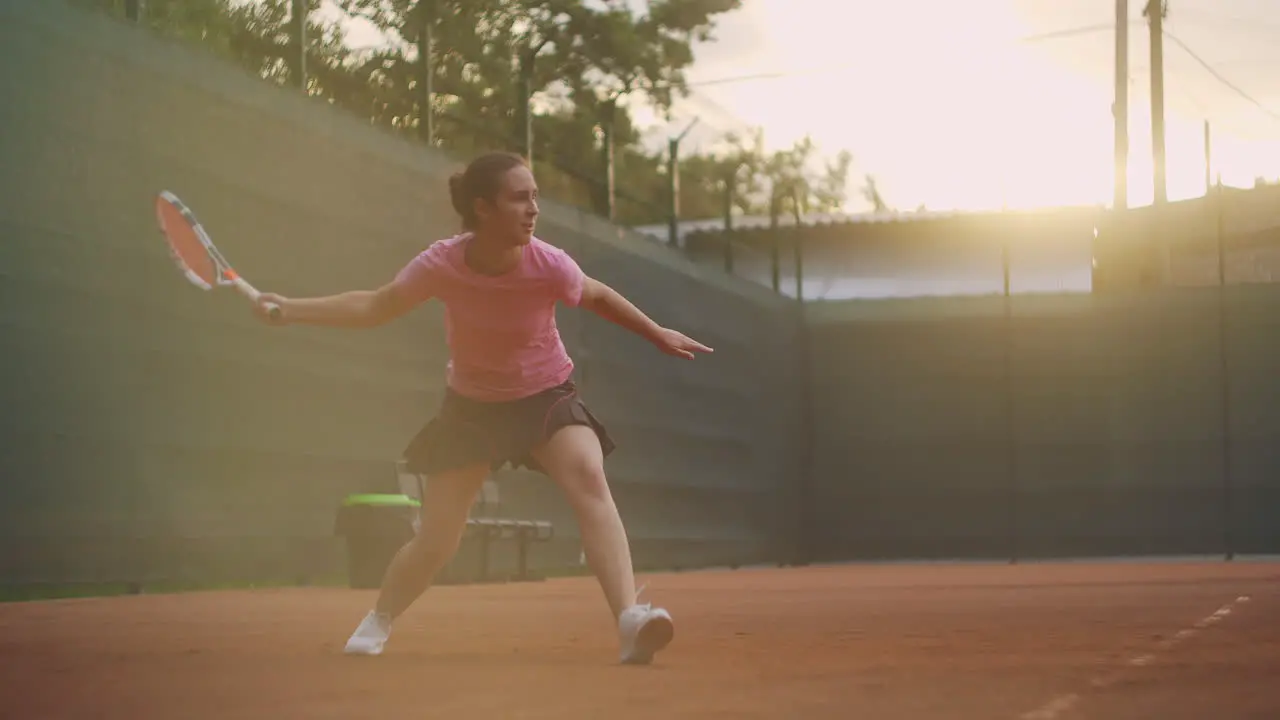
x=375, y=526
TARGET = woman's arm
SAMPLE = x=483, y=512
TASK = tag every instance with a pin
x=612, y=306
x=354, y=309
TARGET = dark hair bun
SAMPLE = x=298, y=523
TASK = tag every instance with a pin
x=458, y=195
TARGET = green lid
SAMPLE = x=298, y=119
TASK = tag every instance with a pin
x=381, y=500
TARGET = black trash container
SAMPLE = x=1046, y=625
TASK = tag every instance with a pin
x=375, y=526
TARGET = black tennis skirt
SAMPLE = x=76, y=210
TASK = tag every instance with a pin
x=467, y=432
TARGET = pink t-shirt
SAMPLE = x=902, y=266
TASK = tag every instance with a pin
x=501, y=330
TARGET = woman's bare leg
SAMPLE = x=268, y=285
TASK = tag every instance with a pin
x=573, y=458
x=446, y=503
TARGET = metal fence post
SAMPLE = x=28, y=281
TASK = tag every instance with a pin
x=1010, y=389
x=1224, y=372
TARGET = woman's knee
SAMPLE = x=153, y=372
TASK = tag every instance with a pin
x=435, y=541
x=446, y=504
x=573, y=458
x=585, y=483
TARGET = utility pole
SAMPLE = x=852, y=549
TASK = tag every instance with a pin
x=1120, y=110
x=775, y=208
x=1208, y=159
x=299, y=21
x=1156, y=11
x=426, y=66
x=797, y=237
x=607, y=194
x=524, y=110
x=673, y=185
x=730, y=182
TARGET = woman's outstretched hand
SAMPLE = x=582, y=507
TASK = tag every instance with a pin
x=678, y=344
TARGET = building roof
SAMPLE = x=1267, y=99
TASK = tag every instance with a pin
x=686, y=228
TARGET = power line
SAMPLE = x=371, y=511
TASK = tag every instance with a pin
x=1217, y=75
x=1072, y=32
x=1253, y=23
x=705, y=102
x=782, y=74
x=1182, y=88
x=777, y=75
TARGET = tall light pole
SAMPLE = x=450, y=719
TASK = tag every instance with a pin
x=1156, y=11
x=1120, y=110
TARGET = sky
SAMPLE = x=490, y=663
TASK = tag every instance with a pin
x=951, y=107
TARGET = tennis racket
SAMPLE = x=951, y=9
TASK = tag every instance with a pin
x=195, y=254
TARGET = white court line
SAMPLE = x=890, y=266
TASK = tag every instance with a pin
x=1063, y=703
x=1053, y=708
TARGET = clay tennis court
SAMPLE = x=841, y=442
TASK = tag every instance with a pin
x=1061, y=640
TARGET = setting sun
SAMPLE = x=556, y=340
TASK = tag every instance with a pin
x=950, y=106
x=957, y=105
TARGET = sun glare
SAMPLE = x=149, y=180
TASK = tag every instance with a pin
x=951, y=109
x=948, y=106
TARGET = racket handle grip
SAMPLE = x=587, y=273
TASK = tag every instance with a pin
x=249, y=291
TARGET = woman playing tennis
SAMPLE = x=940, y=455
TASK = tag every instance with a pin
x=510, y=397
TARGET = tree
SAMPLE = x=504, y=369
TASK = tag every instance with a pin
x=263, y=39
x=580, y=61
x=741, y=171
x=582, y=65
x=593, y=51
x=258, y=35
x=831, y=191
x=871, y=192
x=793, y=177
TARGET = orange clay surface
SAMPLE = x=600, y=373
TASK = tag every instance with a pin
x=1100, y=641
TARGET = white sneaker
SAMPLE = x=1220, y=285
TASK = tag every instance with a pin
x=643, y=630
x=370, y=636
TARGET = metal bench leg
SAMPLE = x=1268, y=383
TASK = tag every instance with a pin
x=522, y=569
x=485, y=537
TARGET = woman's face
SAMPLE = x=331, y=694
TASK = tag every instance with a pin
x=513, y=212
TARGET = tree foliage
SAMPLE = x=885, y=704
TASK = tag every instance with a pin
x=584, y=66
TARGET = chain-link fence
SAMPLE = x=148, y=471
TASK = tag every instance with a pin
x=1071, y=250
x=387, y=83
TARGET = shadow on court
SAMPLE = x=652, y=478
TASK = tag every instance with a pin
x=1048, y=642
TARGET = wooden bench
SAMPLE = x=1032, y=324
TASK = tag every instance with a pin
x=486, y=525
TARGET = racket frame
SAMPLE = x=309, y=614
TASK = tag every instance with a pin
x=225, y=274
